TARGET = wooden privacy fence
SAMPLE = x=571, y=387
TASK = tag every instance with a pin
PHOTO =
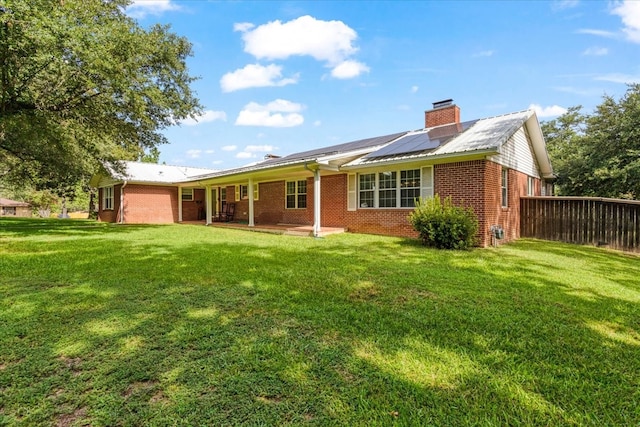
x=613, y=223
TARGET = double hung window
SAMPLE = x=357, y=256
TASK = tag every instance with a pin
x=296, y=194
x=107, y=198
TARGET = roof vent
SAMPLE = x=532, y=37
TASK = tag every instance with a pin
x=271, y=156
x=443, y=103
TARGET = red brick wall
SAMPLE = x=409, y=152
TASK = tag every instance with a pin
x=442, y=116
x=112, y=215
x=508, y=218
x=478, y=184
x=147, y=204
x=192, y=210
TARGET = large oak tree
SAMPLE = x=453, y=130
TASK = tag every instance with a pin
x=83, y=85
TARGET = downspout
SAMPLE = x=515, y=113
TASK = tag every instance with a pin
x=124, y=184
x=316, y=199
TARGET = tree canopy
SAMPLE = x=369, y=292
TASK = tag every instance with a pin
x=83, y=85
x=598, y=154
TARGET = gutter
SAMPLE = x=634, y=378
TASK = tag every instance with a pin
x=124, y=184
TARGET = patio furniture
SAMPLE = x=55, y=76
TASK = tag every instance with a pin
x=228, y=212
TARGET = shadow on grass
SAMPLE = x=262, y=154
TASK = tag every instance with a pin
x=28, y=227
x=207, y=326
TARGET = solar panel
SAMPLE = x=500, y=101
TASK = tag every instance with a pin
x=422, y=141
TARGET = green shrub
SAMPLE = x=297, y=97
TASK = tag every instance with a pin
x=443, y=225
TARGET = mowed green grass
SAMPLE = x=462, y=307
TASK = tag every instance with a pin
x=108, y=325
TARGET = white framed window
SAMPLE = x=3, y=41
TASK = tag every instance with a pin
x=223, y=194
x=504, y=187
x=296, y=194
x=187, y=194
x=531, y=186
x=394, y=189
x=242, y=192
x=107, y=198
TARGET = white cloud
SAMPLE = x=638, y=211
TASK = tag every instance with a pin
x=207, y=116
x=331, y=42
x=484, y=53
x=194, y=154
x=255, y=75
x=210, y=151
x=243, y=26
x=142, y=8
x=619, y=78
x=599, y=33
x=270, y=115
x=564, y=4
x=259, y=148
x=230, y=148
x=414, y=89
x=349, y=69
x=629, y=11
x=552, y=111
x=596, y=51
x=245, y=155
x=317, y=123
x=575, y=91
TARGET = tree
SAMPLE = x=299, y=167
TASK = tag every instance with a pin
x=598, y=154
x=83, y=85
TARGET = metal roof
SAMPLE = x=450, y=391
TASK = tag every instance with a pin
x=151, y=172
x=422, y=141
x=310, y=155
x=474, y=136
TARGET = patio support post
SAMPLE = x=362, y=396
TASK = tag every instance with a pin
x=250, y=191
x=316, y=203
x=179, y=204
x=207, y=201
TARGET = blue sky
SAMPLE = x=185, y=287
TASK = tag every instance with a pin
x=282, y=77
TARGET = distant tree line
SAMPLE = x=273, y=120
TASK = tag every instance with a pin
x=598, y=154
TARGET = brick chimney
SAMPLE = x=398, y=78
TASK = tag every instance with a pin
x=444, y=112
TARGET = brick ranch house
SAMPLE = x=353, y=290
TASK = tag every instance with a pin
x=365, y=186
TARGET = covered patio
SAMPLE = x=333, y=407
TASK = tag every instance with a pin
x=285, y=229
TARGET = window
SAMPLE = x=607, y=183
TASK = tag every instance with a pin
x=223, y=194
x=385, y=190
x=296, y=194
x=107, y=198
x=367, y=190
x=504, y=187
x=242, y=192
x=9, y=210
x=187, y=194
x=531, y=185
x=409, y=188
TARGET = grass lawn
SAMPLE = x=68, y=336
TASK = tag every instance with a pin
x=190, y=325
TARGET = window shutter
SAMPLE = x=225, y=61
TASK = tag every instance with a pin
x=426, y=182
x=352, y=194
x=256, y=193
x=237, y=193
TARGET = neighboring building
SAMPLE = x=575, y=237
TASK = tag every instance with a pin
x=14, y=208
x=365, y=186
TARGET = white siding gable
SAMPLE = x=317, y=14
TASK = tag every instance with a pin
x=517, y=153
